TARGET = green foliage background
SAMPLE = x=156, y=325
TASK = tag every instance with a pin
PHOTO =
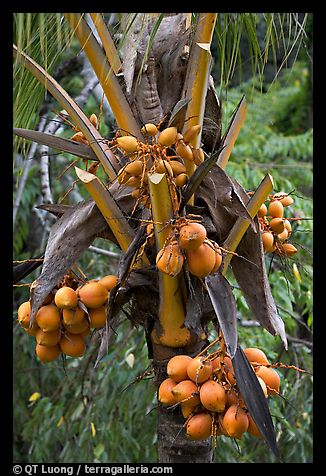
x=107, y=414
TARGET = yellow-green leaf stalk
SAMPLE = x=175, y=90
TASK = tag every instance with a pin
x=197, y=77
x=171, y=307
x=110, y=211
x=241, y=225
x=107, y=42
x=111, y=87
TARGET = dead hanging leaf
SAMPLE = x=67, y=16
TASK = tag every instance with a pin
x=195, y=304
x=220, y=293
x=220, y=189
x=69, y=237
x=250, y=273
x=254, y=399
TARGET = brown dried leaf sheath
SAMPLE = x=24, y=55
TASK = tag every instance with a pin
x=251, y=277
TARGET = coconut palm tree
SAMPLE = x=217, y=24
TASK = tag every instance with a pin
x=157, y=72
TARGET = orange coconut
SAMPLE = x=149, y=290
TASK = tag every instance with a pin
x=93, y=295
x=177, y=367
x=47, y=354
x=199, y=427
x=97, y=317
x=134, y=168
x=184, y=151
x=202, y=260
x=128, y=143
x=169, y=259
x=48, y=318
x=24, y=314
x=277, y=225
x=192, y=236
x=66, y=298
x=177, y=167
x=212, y=396
x=289, y=249
x=276, y=209
x=268, y=241
x=168, y=136
x=262, y=211
x=191, y=133
x=48, y=339
x=165, y=395
x=149, y=129
x=252, y=428
x=78, y=328
x=255, y=355
x=181, y=180
x=73, y=316
x=271, y=379
x=186, y=391
x=72, y=344
x=199, y=370
x=235, y=421
x=109, y=281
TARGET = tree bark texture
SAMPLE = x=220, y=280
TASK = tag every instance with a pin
x=173, y=445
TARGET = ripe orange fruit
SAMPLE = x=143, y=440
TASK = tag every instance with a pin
x=24, y=313
x=199, y=427
x=97, y=317
x=276, y=209
x=168, y=136
x=263, y=386
x=252, y=428
x=199, y=370
x=177, y=167
x=218, y=257
x=134, y=168
x=169, y=259
x=271, y=379
x=233, y=399
x=186, y=391
x=177, y=367
x=48, y=318
x=187, y=409
x=235, y=421
x=149, y=129
x=181, y=180
x=78, y=328
x=255, y=355
x=191, y=133
x=262, y=211
x=192, y=236
x=228, y=367
x=66, y=298
x=201, y=261
x=164, y=167
x=122, y=176
x=47, y=354
x=165, y=395
x=277, y=225
x=109, y=281
x=184, y=151
x=212, y=396
x=288, y=226
x=198, y=156
x=128, y=143
x=133, y=181
x=93, y=295
x=93, y=119
x=286, y=200
x=48, y=339
x=31, y=331
x=73, y=316
x=284, y=235
x=289, y=249
x=268, y=241
x=72, y=345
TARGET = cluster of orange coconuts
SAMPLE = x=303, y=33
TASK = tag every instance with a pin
x=67, y=317
x=275, y=228
x=206, y=390
x=152, y=156
x=189, y=243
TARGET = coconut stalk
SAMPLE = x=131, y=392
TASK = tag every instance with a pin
x=80, y=120
x=196, y=82
x=171, y=308
x=107, y=42
x=110, y=211
x=241, y=225
x=111, y=87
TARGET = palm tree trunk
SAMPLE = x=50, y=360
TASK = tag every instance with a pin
x=173, y=445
